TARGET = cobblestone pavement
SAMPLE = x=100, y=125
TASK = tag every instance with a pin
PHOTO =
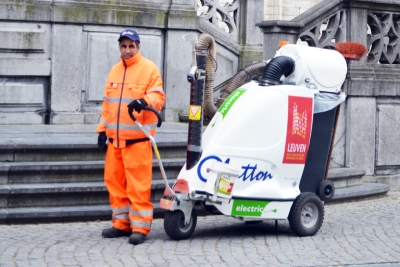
x=361, y=233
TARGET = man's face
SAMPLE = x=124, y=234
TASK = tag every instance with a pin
x=128, y=48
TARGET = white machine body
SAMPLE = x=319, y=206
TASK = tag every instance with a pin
x=321, y=69
x=250, y=132
x=262, y=134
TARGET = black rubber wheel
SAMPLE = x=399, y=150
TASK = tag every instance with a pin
x=306, y=215
x=326, y=190
x=174, y=224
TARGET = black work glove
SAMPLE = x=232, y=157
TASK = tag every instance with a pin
x=137, y=104
x=101, y=141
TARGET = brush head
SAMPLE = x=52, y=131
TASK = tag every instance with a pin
x=351, y=50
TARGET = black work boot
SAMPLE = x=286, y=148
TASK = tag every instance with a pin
x=137, y=238
x=114, y=232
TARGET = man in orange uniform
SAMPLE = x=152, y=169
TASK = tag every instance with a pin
x=132, y=84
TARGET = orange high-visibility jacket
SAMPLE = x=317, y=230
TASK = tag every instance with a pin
x=130, y=79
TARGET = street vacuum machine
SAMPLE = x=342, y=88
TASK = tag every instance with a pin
x=265, y=152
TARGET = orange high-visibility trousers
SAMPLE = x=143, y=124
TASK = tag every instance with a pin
x=127, y=175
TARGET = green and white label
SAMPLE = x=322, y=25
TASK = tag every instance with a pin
x=228, y=103
x=253, y=208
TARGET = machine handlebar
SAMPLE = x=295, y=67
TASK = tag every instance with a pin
x=149, y=109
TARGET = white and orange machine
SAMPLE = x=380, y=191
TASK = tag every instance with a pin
x=260, y=152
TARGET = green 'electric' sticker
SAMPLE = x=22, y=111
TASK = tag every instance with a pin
x=228, y=103
x=249, y=207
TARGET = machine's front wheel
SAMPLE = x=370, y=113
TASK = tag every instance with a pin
x=174, y=224
x=306, y=215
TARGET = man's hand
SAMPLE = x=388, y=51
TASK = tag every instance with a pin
x=101, y=141
x=137, y=104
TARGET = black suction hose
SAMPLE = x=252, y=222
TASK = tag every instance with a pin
x=241, y=77
x=194, y=148
x=278, y=66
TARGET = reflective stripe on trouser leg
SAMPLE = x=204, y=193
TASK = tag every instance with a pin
x=120, y=213
x=114, y=178
x=141, y=219
x=137, y=159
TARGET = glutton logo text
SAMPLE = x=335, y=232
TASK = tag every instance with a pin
x=251, y=173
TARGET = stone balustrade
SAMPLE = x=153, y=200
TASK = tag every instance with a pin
x=369, y=122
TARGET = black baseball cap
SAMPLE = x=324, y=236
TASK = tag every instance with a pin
x=129, y=33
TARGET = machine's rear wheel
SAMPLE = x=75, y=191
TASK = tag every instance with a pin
x=326, y=190
x=306, y=215
x=174, y=224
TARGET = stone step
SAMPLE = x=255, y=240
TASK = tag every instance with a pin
x=80, y=152
x=71, y=213
x=346, y=177
x=63, y=194
x=365, y=190
x=53, y=214
x=72, y=171
x=21, y=143
x=103, y=211
x=349, y=185
x=47, y=191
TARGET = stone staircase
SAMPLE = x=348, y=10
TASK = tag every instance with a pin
x=55, y=173
x=350, y=185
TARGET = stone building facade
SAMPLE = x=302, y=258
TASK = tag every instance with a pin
x=51, y=71
x=55, y=54
x=286, y=9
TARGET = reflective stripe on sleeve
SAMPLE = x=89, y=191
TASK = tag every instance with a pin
x=153, y=100
x=155, y=90
x=129, y=126
x=102, y=121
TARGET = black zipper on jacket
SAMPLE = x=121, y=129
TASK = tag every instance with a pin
x=119, y=105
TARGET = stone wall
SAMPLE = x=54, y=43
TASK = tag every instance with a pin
x=286, y=9
x=55, y=54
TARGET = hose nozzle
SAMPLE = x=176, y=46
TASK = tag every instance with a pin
x=192, y=38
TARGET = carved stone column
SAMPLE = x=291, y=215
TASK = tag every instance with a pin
x=250, y=36
x=182, y=20
x=275, y=31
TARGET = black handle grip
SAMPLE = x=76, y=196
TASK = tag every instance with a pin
x=149, y=109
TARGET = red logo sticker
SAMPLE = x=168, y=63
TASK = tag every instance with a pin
x=298, y=129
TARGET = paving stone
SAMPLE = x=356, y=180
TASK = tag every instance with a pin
x=356, y=233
